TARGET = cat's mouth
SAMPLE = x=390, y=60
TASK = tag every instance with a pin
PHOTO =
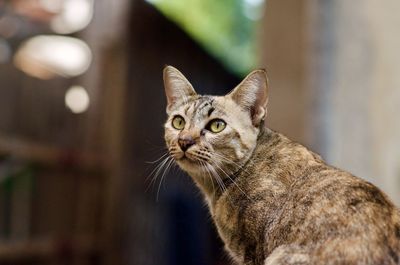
x=187, y=158
x=181, y=156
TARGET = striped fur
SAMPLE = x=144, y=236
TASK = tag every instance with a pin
x=272, y=200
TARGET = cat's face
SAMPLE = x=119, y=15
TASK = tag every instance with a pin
x=213, y=134
x=209, y=131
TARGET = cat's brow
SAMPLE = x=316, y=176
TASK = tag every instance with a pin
x=201, y=108
x=190, y=108
x=204, y=102
x=210, y=111
x=186, y=109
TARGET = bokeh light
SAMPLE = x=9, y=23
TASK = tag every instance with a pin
x=77, y=99
x=45, y=57
x=74, y=15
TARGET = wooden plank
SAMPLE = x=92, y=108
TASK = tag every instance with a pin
x=51, y=155
x=47, y=248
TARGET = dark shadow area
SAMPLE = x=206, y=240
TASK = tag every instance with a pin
x=187, y=235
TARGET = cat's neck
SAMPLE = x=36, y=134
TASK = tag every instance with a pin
x=213, y=189
x=273, y=153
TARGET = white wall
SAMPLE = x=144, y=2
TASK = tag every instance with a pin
x=334, y=68
x=356, y=64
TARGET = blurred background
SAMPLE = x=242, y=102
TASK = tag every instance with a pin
x=82, y=109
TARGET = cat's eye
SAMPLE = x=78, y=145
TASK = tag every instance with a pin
x=178, y=122
x=216, y=126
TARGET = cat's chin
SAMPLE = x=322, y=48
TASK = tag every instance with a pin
x=188, y=164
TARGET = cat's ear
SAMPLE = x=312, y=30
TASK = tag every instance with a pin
x=177, y=87
x=252, y=95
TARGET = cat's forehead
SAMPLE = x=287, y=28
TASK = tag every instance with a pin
x=203, y=107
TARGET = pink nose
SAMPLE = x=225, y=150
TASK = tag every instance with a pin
x=185, y=142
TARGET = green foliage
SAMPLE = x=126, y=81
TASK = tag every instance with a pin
x=221, y=26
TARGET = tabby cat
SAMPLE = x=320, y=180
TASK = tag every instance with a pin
x=272, y=200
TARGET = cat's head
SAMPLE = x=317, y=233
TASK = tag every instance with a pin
x=213, y=134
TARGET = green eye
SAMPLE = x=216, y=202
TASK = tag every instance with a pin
x=178, y=122
x=216, y=126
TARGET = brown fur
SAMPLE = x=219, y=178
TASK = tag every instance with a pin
x=273, y=201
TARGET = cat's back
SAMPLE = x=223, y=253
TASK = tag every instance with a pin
x=325, y=208
x=287, y=202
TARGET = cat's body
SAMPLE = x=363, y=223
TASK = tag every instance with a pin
x=272, y=200
x=298, y=210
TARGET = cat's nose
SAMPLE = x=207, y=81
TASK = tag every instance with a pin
x=185, y=142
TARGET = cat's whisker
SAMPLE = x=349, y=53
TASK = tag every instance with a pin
x=207, y=172
x=201, y=157
x=157, y=170
x=204, y=167
x=227, y=159
x=230, y=161
x=166, y=169
x=233, y=181
x=219, y=180
x=225, y=189
x=159, y=159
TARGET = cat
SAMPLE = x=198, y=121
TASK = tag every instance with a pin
x=272, y=200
